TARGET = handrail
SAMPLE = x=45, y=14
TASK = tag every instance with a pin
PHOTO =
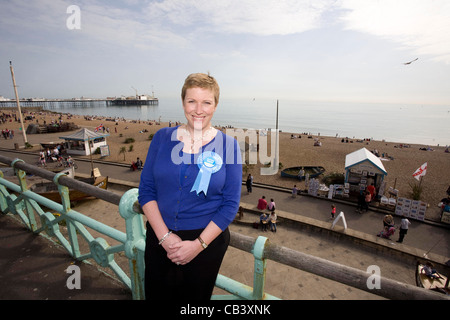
x=65, y=181
x=133, y=241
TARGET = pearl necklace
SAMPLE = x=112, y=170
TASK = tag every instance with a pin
x=195, y=139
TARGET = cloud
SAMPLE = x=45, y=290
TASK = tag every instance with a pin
x=122, y=26
x=422, y=26
x=257, y=17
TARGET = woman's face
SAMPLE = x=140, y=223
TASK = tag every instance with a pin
x=199, y=106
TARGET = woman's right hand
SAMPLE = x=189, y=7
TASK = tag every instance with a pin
x=172, y=239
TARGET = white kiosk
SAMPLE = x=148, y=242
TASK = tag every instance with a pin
x=362, y=168
x=84, y=142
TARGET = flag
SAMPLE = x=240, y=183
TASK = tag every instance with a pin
x=99, y=127
x=421, y=171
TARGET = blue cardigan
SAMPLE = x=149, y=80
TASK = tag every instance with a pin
x=169, y=175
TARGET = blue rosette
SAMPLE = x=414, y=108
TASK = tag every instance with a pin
x=208, y=162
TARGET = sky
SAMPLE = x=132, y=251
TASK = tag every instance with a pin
x=321, y=50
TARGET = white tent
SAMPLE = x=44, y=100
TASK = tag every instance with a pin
x=362, y=168
x=84, y=142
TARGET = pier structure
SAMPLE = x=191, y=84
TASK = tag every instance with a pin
x=53, y=103
x=133, y=102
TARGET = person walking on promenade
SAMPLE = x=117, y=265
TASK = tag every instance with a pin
x=361, y=202
x=294, y=191
x=404, y=226
x=249, y=183
x=273, y=221
x=262, y=203
x=189, y=191
x=333, y=211
x=367, y=200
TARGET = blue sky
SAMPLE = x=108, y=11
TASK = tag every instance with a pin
x=343, y=50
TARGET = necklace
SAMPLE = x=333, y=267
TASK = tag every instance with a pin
x=196, y=138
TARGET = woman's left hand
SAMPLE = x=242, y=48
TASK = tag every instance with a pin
x=184, y=251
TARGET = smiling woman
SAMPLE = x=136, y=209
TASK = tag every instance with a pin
x=189, y=194
x=200, y=96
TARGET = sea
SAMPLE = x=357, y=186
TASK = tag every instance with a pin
x=401, y=123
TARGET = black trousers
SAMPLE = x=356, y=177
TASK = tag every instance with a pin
x=164, y=280
x=402, y=234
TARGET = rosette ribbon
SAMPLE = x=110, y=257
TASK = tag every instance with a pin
x=208, y=162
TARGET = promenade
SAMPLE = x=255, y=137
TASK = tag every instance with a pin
x=34, y=268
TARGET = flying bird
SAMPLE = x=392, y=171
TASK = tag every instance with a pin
x=411, y=61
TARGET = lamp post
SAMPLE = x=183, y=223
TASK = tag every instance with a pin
x=276, y=161
x=18, y=105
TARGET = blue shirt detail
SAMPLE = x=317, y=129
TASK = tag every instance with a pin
x=169, y=174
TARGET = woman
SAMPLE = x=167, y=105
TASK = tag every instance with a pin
x=271, y=205
x=189, y=191
x=388, y=221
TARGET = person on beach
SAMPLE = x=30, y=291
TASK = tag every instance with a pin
x=404, y=226
x=262, y=203
x=189, y=191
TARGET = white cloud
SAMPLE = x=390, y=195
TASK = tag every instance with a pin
x=420, y=25
x=257, y=17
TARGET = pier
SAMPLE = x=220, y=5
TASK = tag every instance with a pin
x=133, y=102
x=53, y=103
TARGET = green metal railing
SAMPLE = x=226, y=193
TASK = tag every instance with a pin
x=36, y=213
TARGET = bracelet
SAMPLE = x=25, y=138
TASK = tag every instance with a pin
x=164, y=238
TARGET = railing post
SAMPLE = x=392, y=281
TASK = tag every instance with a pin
x=23, y=186
x=259, y=275
x=135, y=243
x=71, y=229
x=3, y=203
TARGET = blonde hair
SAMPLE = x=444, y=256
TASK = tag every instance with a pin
x=201, y=80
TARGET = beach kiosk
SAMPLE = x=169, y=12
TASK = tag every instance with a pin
x=84, y=142
x=362, y=168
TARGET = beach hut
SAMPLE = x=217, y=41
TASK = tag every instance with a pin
x=84, y=142
x=362, y=168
